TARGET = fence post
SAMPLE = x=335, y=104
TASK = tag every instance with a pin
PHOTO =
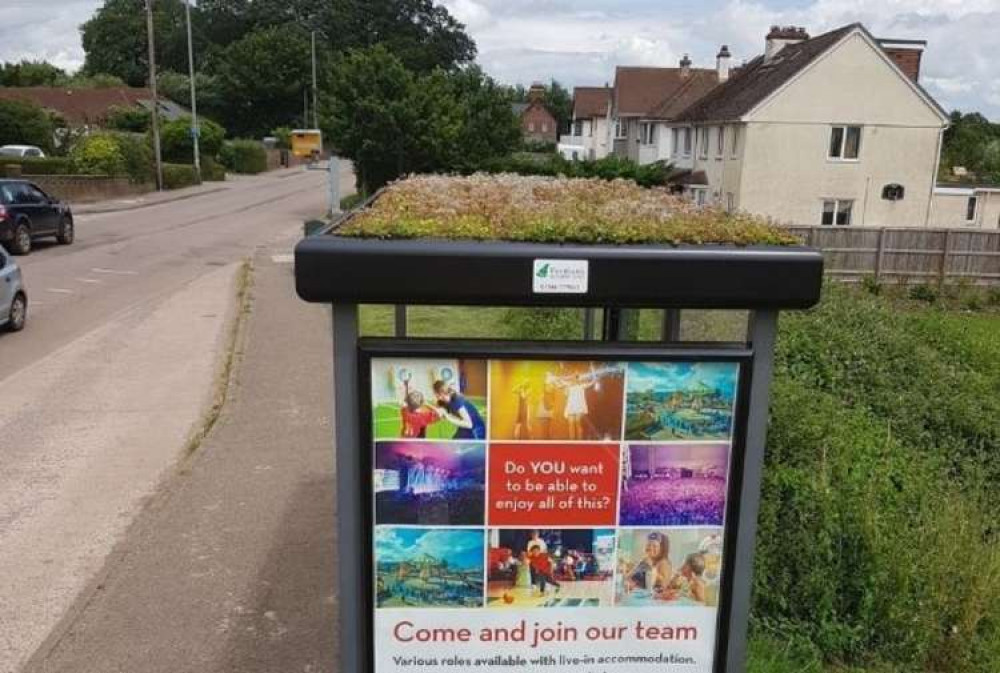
x=943, y=271
x=879, y=254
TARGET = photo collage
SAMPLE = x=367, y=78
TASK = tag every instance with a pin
x=509, y=483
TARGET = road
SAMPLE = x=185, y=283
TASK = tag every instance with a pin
x=112, y=376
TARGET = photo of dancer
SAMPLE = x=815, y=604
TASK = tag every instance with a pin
x=429, y=398
x=550, y=568
x=677, y=566
x=436, y=483
x=565, y=400
x=674, y=484
x=428, y=568
x=680, y=400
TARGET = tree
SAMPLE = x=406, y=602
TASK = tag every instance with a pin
x=114, y=39
x=24, y=123
x=135, y=119
x=262, y=78
x=557, y=100
x=177, y=87
x=178, y=145
x=30, y=73
x=973, y=142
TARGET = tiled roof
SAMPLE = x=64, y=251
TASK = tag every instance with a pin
x=657, y=93
x=758, y=79
x=591, y=101
x=86, y=106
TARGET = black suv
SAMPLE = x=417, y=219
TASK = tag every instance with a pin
x=26, y=213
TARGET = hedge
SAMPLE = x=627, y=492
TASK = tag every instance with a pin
x=243, y=156
x=176, y=176
x=46, y=166
x=212, y=170
x=608, y=168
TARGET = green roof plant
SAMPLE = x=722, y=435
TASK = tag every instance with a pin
x=539, y=209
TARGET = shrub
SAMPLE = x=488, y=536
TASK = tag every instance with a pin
x=609, y=168
x=138, y=156
x=177, y=144
x=923, y=292
x=244, y=156
x=212, y=170
x=23, y=123
x=98, y=154
x=283, y=135
x=176, y=176
x=132, y=119
x=541, y=323
x=871, y=286
x=37, y=166
x=993, y=296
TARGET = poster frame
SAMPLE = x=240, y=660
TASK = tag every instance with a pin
x=742, y=353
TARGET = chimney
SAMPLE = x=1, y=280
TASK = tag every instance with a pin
x=722, y=60
x=685, y=66
x=906, y=54
x=536, y=94
x=780, y=37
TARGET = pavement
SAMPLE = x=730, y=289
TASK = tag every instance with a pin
x=103, y=390
x=232, y=567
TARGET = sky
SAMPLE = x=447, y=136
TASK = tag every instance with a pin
x=461, y=548
x=579, y=42
x=669, y=377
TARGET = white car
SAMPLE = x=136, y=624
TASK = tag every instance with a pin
x=13, y=298
x=26, y=151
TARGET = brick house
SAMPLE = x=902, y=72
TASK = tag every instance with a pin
x=537, y=123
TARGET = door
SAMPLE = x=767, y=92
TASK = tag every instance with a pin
x=6, y=284
x=48, y=211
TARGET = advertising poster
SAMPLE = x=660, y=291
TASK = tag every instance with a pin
x=537, y=515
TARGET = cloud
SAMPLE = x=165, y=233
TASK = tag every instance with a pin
x=52, y=35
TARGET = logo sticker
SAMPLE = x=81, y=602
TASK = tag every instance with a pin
x=560, y=276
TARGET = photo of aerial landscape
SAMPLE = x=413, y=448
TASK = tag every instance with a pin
x=428, y=568
x=680, y=400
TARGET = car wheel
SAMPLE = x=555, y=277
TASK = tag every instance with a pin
x=18, y=313
x=21, y=245
x=66, y=233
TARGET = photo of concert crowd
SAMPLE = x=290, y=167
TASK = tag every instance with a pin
x=674, y=484
x=437, y=483
x=680, y=400
x=550, y=568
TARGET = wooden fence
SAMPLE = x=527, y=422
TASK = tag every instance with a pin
x=907, y=255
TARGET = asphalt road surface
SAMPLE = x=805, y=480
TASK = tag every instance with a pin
x=117, y=365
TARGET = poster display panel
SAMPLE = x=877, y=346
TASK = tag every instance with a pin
x=542, y=514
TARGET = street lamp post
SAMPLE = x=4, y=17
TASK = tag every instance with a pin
x=152, y=87
x=195, y=130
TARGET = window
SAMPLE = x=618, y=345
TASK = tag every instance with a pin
x=687, y=142
x=531, y=127
x=675, y=136
x=590, y=129
x=736, y=141
x=621, y=128
x=578, y=127
x=730, y=202
x=970, y=209
x=720, y=142
x=845, y=142
x=699, y=196
x=703, y=144
x=32, y=152
x=647, y=133
x=837, y=212
x=545, y=127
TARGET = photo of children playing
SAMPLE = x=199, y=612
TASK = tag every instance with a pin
x=428, y=567
x=669, y=567
x=550, y=568
x=674, y=484
x=566, y=400
x=437, y=483
x=680, y=400
x=429, y=399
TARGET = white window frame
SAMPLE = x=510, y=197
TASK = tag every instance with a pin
x=621, y=128
x=736, y=142
x=837, y=209
x=688, y=141
x=545, y=127
x=647, y=133
x=675, y=141
x=842, y=146
x=720, y=142
x=531, y=127
x=703, y=143
x=578, y=127
x=973, y=201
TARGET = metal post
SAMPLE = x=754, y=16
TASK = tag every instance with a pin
x=400, y=321
x=354, y=624
x=763, y=330
x=315, y=106
x=333, y=185
x=671, y=324
x=195, y=131
x=588, y=323
x=879, y=254
x=611, y=327
x=152, y=86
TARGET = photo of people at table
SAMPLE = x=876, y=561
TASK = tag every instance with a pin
x=429, y=398
x=564, y=400
x=668, y=566
x=434, y=483
x=680, y=400
x=678, y=484
x=550, y=568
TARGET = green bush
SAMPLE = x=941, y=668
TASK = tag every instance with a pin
x=923, y=293
x=98, y=154
x=243, y=156
x=137, y=154
x=131, y=119
x=177, y=176
x=177, y=145
x=24, y=123
x=609, y=168
x=46, y=166
x=543, y=323
x=212, y=170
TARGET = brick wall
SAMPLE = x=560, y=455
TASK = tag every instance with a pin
x=538, y=125
x=87, y=188
x=908, y=61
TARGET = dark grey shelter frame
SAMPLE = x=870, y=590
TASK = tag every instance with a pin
x=346, y=272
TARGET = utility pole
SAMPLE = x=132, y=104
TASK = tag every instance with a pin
x=315, y=106
x=156, y=103
x=195, y=130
